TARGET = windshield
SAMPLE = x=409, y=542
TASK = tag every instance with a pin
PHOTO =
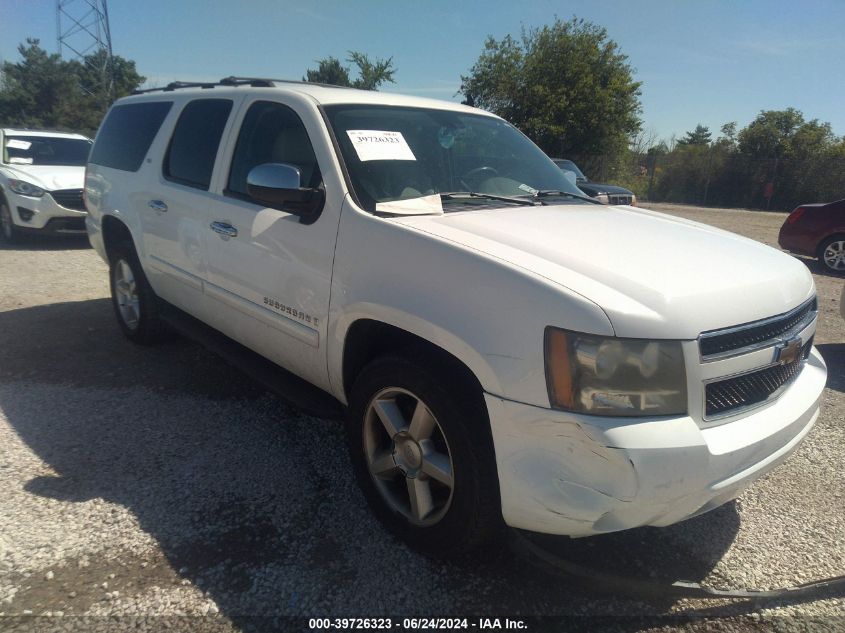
x=45, y=150
x=397, y=153
x=568, y=165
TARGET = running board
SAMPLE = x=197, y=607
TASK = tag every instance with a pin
x=289, y=387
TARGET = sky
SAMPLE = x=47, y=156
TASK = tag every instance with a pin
x=707, y=61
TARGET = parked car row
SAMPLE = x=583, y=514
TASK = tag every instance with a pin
x=502, y=354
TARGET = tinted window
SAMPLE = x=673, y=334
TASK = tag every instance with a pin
x=272, y=133
x=127, y=133
x=193, y=147
x=45, y=150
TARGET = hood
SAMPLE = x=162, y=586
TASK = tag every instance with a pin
x=654, y=275
x=595, y=188
x=49, y=177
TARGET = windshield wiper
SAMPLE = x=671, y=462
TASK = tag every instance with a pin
x=457, y=195
x=545, y=193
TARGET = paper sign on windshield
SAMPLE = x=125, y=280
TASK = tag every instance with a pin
x=20, y=160
x=424, y=205
x=18, y=144
x=380, y=145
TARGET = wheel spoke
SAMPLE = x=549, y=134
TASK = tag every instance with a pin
x=422, y=423
x=437, y=466
x=419, y=491
x=383, y=466
x=390, y=415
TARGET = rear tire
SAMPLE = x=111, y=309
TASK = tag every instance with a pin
x=423, y=455
x=832, y=254
x=9, y=233
x=135, y=304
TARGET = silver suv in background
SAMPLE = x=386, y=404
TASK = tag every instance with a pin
x=41, y=177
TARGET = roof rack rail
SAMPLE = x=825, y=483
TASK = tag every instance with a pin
x=255, y=82
x=269, y=83
x=176, y=85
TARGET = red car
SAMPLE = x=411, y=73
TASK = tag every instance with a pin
x=817, y=230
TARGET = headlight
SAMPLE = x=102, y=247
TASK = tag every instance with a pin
x=602, y=197
x=602, y=375
x=25, y=189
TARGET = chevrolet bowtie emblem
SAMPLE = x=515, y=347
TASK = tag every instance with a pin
x=788, y=351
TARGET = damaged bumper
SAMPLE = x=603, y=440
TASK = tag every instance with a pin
x=562, y=473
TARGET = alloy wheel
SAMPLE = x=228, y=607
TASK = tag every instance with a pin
x=834, y=255
x=126, y=294
x=408, y=456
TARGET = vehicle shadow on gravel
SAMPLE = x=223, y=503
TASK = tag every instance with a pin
x=834, y=357
x=255, y=503
x=817, y=268
x=47, y=243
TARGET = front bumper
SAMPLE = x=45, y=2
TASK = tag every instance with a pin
x=562, y=473
x=47, y=216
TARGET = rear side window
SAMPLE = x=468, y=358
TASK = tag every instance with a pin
x=127, y=133
x=193, y=147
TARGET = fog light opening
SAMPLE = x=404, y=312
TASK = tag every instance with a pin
x=25, y=214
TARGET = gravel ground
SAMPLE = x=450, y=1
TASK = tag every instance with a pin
x=147, y=488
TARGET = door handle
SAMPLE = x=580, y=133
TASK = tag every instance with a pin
x=157, y=205
x=224, y=228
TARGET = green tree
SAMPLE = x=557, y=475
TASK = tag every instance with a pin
x=329, y=71
x=44, y=91
x=770, y=134
x=729, y=133
x=699, y=136
x=566, y=85
x=372, y=74
x=36, y=91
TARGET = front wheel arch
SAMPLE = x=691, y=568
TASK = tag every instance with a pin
x=473, y=515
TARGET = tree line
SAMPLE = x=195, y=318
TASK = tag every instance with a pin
x=778, y=161
x=566, y=85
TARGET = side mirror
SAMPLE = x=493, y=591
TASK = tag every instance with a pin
x=278, y=185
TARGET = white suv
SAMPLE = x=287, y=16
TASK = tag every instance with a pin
x=507, y=350
x=41, y=176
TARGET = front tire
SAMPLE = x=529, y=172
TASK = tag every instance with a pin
x=134, y=302
x=832, y=254
x=423, y=456
x=8, y=231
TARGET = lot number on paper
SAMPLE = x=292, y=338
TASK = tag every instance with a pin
x=15, y=143
x=380, y=145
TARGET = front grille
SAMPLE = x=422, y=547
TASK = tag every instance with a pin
x=758, y=333
x=619, y=199
x=69, y=198
x=752, y=388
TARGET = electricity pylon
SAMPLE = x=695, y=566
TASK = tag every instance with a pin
x=83, y=32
